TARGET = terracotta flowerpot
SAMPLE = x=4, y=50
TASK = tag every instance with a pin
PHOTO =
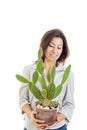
x=48, y=115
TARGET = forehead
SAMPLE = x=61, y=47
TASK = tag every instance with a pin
x=56, y=41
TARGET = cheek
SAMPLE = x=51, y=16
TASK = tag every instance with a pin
x=60, y=52
x=47, y=50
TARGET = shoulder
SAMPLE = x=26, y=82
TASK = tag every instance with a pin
x=71, y=75
x=70, y=79
x=28, y=68
x=61, y=68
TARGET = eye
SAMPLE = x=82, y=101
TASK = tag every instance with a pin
x=50, y=45
x=59, y=48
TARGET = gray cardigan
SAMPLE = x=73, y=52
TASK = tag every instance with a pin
x=66, y=97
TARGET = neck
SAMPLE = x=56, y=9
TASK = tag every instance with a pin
x=47, y=65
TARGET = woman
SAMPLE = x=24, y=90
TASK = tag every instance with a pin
x=54, y=45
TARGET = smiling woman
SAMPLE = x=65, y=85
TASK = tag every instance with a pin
x=55, y=43
x=55, y=47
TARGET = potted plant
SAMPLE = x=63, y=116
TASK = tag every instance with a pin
x=46, y=106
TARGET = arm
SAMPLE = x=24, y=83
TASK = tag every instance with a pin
x=27, y=109
x=24, y=102
x=68, y=101
x=38, y=123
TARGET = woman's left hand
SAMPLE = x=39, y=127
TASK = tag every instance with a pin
x=60, y=117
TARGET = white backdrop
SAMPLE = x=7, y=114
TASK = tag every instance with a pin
x=22, y=24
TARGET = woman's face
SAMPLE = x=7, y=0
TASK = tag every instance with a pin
x=54, y=49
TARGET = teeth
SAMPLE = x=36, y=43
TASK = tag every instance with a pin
x=53, y=55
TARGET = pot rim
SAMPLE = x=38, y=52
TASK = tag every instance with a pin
x=52, y=109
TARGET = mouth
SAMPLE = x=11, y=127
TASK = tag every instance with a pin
x=55, y=56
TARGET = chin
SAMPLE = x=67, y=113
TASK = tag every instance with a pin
x=52, y=59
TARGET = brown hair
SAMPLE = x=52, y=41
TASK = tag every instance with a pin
x=46, y=40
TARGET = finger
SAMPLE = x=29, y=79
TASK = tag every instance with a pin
x=38, y=121
x=41, y=126
x=34, y=112
x=49, y=126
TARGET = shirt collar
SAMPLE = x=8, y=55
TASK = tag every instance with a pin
x=60, y=67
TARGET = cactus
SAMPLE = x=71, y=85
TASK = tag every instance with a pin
x=49, y=91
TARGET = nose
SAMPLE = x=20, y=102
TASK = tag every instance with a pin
x=55, y=49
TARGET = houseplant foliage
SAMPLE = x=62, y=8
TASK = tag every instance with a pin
x=49, y=90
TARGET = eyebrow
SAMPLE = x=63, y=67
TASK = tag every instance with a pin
x=54, y=43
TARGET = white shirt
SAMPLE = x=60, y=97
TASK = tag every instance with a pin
x=66, y=97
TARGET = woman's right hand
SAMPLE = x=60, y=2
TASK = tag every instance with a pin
x=40, y=124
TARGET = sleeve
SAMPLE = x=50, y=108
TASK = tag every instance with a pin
x=68, y=101
x=23, y=91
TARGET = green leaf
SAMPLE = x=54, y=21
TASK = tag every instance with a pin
x=41, y=70
x=36, y=92
x=58, y=89
x=51, y=91
x=39, y=64
x=35, y=77
x=44, y=93
x=66, y=74
x=54, y=104
x=53, y=73
x=40, y=53
x=22, y=78
x=49, y=76
x=42, y=81
x=29, y=85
